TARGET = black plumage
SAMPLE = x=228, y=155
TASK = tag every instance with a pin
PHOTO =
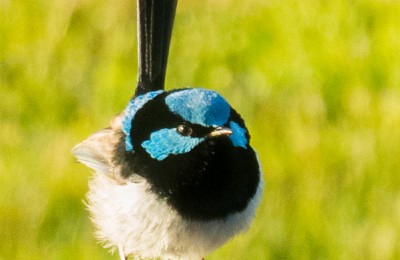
x=210, y=182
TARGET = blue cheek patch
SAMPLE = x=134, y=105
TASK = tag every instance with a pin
x=199, y=106
x=238, y=136
x=165, y=142
x=130, y=111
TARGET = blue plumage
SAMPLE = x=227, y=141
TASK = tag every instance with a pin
x=238, y=136
x=130, y=111
x=196, y=106
x=180, y=162
x=199, y=106
x=176, y=176
x=168, y=141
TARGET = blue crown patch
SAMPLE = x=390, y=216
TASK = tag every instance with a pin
x=199, y=106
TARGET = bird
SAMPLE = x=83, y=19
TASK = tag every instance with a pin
x=175, y=175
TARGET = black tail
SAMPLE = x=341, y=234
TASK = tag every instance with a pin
x=155, y=22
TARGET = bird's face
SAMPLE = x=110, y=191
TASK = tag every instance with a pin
x=194, y=150
x=176, y=122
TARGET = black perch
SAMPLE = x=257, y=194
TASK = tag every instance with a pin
x=155, y=22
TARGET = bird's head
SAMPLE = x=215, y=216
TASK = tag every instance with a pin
x=190, y=143
x=165, y=124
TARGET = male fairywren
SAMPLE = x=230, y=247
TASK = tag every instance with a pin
x=175, y=175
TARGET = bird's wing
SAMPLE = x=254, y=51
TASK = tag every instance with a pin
x=96, y=151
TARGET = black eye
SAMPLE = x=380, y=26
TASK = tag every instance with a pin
x=184, y=130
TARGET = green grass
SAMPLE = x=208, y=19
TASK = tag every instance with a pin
x=318, y=83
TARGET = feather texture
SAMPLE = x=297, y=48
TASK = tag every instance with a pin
x=173, y=196
x=97, y=150
x=135, y=218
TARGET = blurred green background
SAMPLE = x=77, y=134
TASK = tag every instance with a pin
x=318, y=83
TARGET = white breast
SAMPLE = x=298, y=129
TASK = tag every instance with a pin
x=132, y=217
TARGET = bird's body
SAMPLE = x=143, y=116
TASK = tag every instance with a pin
x=138, y=221
x=175, y=175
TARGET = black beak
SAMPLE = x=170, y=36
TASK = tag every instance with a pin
x=220, y=131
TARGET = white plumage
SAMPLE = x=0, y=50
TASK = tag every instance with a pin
x=130, y=217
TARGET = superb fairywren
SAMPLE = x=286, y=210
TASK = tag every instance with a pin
x=175, y=175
